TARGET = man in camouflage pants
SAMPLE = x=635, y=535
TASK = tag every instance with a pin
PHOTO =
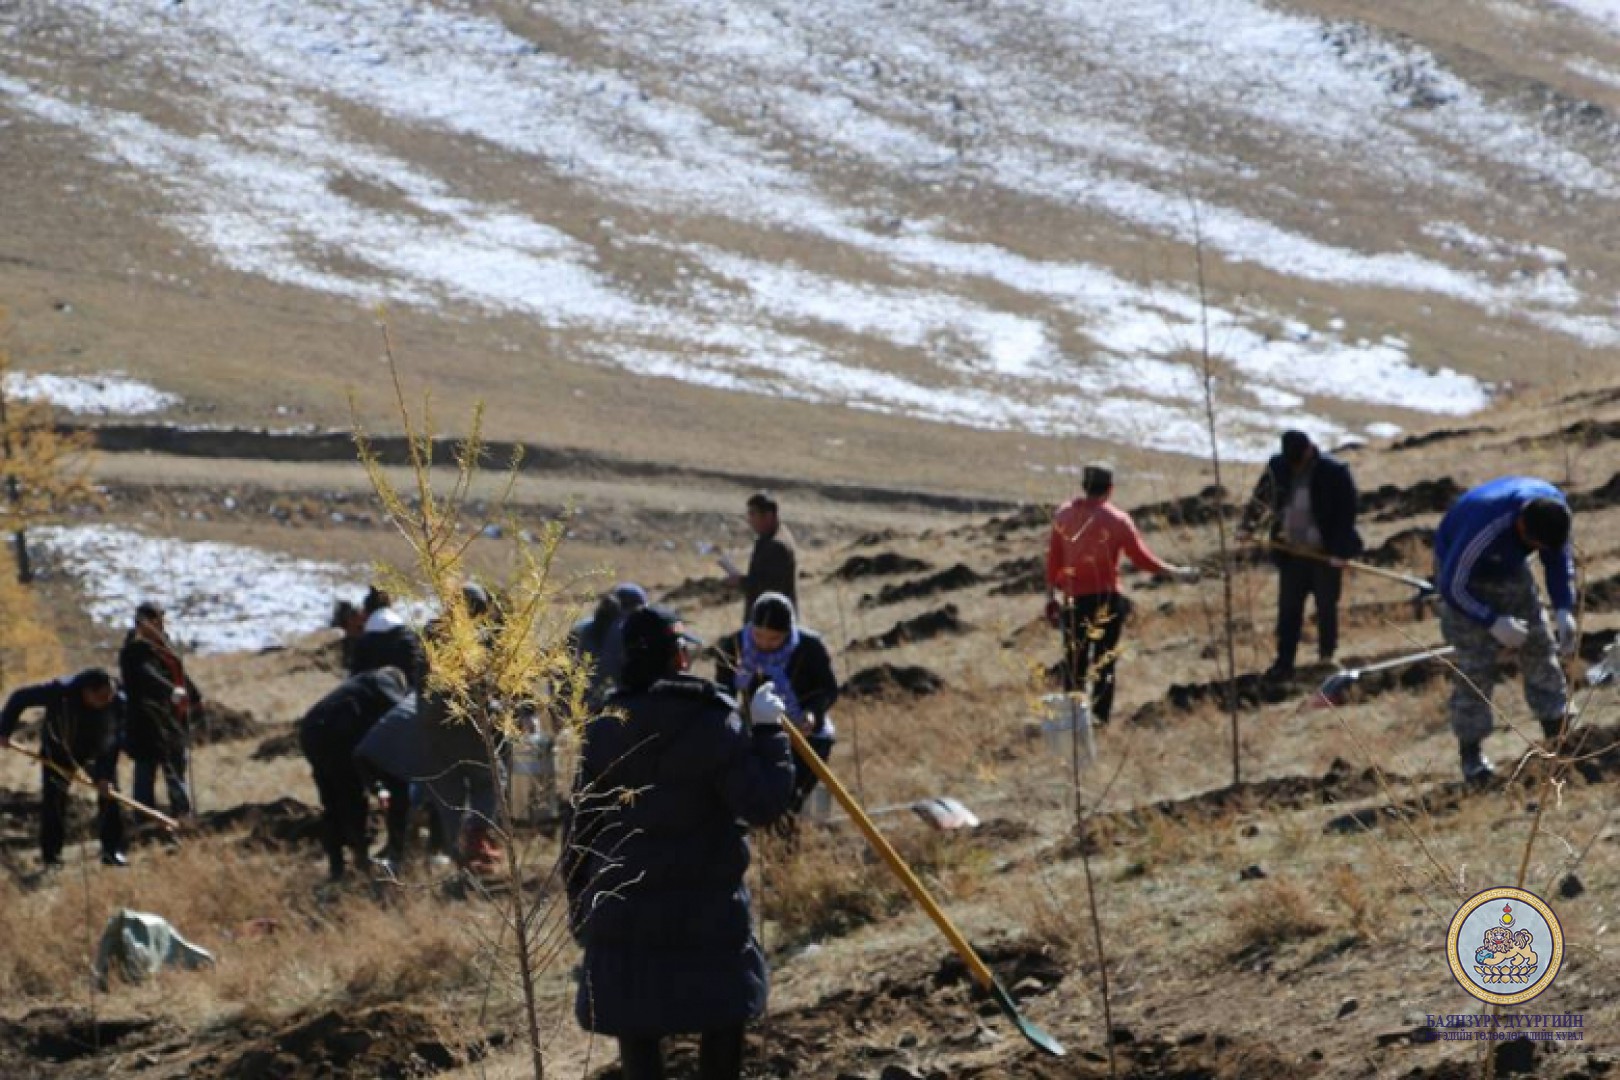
x=1482, y=565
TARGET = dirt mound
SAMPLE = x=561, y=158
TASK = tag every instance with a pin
x=1600, y=498
x=932, y=624
x=390, y=1042
x=1405, y=548
x=280, y=824
x=1198, y=1056
x=701, y=593
x=883, y=564
x=960, y=576
x=278, y=746
x=1253, y=691
x=1023, y=967
x=50, y=1037
x=1518, y=1057
x=888, y=680
x=1199, y=509
x=19, y=819
x=1415, y=442
x=1389, y=502
x=222, y=723
x=1018, y=577
x=1581, y=433
x=1342, y=782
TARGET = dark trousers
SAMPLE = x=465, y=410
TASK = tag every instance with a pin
x=720, y=1056
x=54, y=804
x=1092, y=626
x=172, y=766
x=1297, y=580
x=397, y=819
x=343, y=796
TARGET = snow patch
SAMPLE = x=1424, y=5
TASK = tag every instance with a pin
x=112, y=394
x=220, y=597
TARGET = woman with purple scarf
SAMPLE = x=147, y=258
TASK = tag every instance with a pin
x=773, y=648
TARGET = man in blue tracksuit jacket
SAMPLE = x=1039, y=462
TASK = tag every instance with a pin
x=1482, y=571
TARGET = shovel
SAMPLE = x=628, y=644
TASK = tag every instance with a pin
x=78, y=777
x=1425, y=588
x=1335, y=690
x=940, y=813
x=976, y=967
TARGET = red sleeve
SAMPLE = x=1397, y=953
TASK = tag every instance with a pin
x=1136, y=548
x=1054, y=556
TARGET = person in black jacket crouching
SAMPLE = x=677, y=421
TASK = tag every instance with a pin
x=656, y=882
x=328, y=735
x=774, y=649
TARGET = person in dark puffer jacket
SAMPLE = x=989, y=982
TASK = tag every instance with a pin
x=656, y=883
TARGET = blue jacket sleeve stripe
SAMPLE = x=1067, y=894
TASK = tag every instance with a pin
x=1560, y=569
x=1454, y=583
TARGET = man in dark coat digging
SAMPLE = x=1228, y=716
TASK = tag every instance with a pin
x=1311, y=498
x=80, y=732
x=656, y=882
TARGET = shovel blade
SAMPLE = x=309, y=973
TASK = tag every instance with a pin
x=945, y=814
x=1030, y=1030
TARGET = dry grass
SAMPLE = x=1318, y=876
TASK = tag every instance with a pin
x=281, y=945
x=1274, y=914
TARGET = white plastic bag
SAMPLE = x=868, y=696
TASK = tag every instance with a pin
x=142, y=945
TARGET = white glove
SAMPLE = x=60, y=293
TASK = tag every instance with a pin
x=1509, y=631
x=1186, y=574
x=1565, y=630
x=767, y=708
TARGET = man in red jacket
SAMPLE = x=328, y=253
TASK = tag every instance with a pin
x=1089, y=534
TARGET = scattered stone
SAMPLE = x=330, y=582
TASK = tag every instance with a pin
x=1348, y=1006
x=1570, y=887
x=1251, y=831
x=1252, y=873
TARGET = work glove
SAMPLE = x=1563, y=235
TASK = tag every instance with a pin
x=1185, y=574
x=1565, y=630
x=767, y=708
x=1509, y=631
x=1054, y=614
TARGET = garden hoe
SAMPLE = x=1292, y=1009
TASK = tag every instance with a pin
x=976, y=967
x=1335, y=690
x=77, y=777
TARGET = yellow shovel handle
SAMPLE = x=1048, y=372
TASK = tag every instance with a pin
x=981, y=974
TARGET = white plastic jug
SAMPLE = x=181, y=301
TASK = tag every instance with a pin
x=1064, y=715
x=533, y=779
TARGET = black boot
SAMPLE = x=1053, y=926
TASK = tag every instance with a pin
x=1476, y=768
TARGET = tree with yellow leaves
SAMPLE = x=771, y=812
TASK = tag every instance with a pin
x=44, y=470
